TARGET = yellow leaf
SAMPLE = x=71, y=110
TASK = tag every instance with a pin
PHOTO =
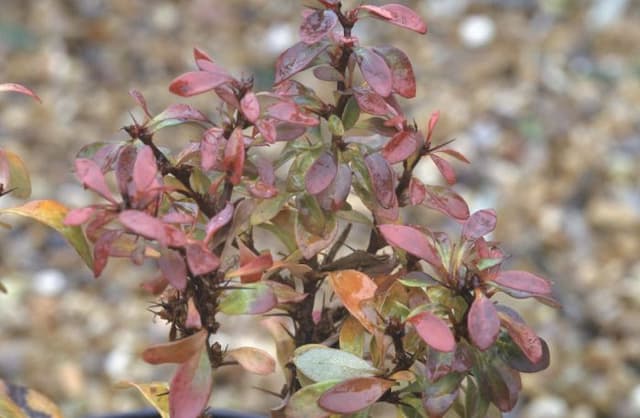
x=19, y=179
x=22, y=402
x=52, y=213
x=156, y=393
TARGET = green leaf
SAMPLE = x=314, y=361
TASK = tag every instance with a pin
x=304, y=403
x=252, y=298
x=320, y=364
x=486, y=263
x=335, y=125
x=155, y=393
x=52, y=213
x=267, y=209
x=19, y=179
x=351, y=113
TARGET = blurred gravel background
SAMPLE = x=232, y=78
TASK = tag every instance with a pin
x=542, y=96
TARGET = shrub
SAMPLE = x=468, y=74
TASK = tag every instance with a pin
x=405, y=318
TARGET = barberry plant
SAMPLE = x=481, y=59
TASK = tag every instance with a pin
x=404, y=317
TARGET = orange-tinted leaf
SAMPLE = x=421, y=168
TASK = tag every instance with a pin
x=253, y=360
x=191, y=387
x=317, y=24
x=173, y=268
x=479, y=224
x=200, y=259
x=155, y=285
x=374, y=70
x=400, y=146
x=382, y=179
x=447, y=201
x=353, y=287
x=178, y=351
x=253, y=269
x=351, y=396
x=296, y=59
x=234, y=156
x=321, y=173
x=19, y=88
x=434, y=331
x=250, y=106
x=90, y=175
x=288, y=111
x=412, y=241
x=196, y=82
x=445, y=169
x=523, y=281
x=53, y=214
x=483, y=322
x=403, y=79
x=352, y=336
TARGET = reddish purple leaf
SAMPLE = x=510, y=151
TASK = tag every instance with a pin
x=455, y=154
x=155, y=285
x=321, y=173
x=145, y=169
x=412, y=241
x=521, y=334
x=288, y=111
x=327, y=73
x=199, y=54
x=176, y=114
x=211, y=149
x=437, y=406
x=382, y=179
x=287, y=131
x=353, y=395
x=402, y=76
x=375, y=71
x=173, y=268
x=483, y=322
x=180, y=218
x=317, y=24
x=417, y=191
x=401, y=146
x=124, y=169
x=152, y=228
x=433, y=121
x=267, y=128
x=78, y=216
x=90, y=175
x=250, y=106
x=102, y=250
x=200, y=259
x=197, y=82
x=193, y=320
x=178, y=351
x=261, y=190
x=218, y=221
x=296, y=59
x=191, y=387
x=19, y=88
x=524, y=281
x=434, y=331
x=140, y=100
x=234, y=155
x=445, y=169
x=446, y=201
x=479, y=224
x=398, y=15
x=334, y=197
x=371, y=102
